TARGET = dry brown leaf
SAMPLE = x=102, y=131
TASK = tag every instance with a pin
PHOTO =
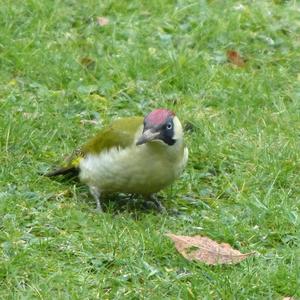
x=235, y=58
x=87, y=62
x=204, y=249
x=102, y=21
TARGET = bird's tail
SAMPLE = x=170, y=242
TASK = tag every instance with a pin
x=70, y=166
x=69, y=170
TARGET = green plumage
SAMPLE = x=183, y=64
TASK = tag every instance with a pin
x=133, y=155
x=120, y=133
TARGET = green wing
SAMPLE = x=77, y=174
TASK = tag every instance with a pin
x=120, y=133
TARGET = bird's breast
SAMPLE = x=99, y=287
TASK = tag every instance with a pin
x=133, y=170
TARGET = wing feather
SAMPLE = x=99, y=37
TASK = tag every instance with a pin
x=120, y=134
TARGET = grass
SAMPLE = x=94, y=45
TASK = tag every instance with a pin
x=61, y=73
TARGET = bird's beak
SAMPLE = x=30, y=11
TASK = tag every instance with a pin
x=147, y=136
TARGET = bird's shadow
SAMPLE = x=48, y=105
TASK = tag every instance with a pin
x=114, y=203
x=117, y=203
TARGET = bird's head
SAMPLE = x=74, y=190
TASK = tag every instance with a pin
x=161, y=125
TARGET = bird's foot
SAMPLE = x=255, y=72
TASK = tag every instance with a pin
x=98, y=209
x=96, y=194
x=153, y=203
x=160, y=207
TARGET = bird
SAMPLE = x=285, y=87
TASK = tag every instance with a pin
x=134, y=155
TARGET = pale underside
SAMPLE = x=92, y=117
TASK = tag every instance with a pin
x=144, y=169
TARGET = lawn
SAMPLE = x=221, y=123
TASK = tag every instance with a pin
x=65, y=74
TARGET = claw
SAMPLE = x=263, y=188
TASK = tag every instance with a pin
x=153, y=202
x=96, y=194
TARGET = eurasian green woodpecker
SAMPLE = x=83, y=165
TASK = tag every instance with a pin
x=132, y=155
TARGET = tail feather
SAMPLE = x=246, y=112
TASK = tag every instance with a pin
x=62, y=171
x=70, y=165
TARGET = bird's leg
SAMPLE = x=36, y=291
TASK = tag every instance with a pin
x=153, y=200
x=96, y=194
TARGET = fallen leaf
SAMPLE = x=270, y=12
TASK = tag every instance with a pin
x=97, y=97
x=204, y=249
x=235, y=58
x=102, y=21
x=92, y=122
x=64, y=193
x=87, y=89
x=87, y=62
x=28, y=115
x=12, y=82
x=239, y=7
x=152, y=51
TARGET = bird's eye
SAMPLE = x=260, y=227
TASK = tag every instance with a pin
x=169, y=126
